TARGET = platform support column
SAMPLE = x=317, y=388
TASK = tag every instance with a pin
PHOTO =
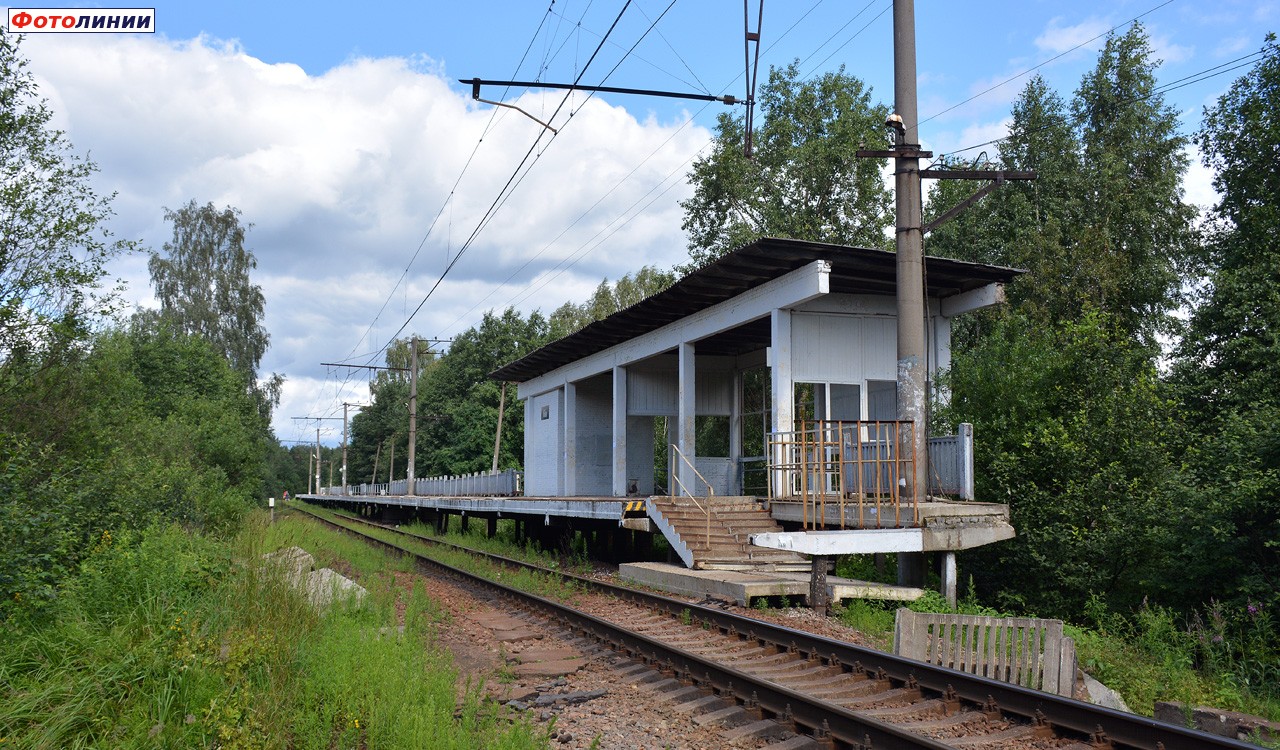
x=819, y=597
x=570, y=439
x=619, y=432
x=493, y=527
x=949, y=577
x=686, y=431
x=783, y=396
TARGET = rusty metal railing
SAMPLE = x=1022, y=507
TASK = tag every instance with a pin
x=859, y=466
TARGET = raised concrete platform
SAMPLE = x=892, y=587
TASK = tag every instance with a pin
x=741, y=586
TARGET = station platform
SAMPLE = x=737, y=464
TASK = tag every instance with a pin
x=741, y=587
x=595, y=508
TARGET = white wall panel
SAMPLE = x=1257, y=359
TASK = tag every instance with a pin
x=594, y=437
x=544, y=475
x=652, y=392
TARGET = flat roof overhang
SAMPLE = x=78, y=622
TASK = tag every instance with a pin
x=854, y=270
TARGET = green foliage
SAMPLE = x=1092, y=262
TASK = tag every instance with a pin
x=1227, y=370
x=803, y=180
x=457, y=404
x=55, y=247
x=161, y=429
x=1073, y=436
x=169, y=640
x=204, y=289
x=608, y=299
x=1091, y=242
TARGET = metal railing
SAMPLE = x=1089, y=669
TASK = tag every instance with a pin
x=675, y=476
x=507, y=483
x=856, y=465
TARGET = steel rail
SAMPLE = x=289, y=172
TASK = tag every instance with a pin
x=772, y=700
x=1077, y=717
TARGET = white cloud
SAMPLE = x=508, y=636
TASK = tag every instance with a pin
x=1169, y=53
x=1197, y=183
x=341, y=174
x=1057, y=38
x=1232, y=45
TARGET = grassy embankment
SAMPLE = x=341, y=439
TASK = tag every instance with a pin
x=165, y=639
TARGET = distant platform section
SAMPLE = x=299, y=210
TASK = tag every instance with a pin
x=741, y=587
x=598, y=508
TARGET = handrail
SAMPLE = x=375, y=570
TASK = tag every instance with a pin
x=710, y=491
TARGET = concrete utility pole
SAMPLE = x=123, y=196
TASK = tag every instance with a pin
x=413, y=410
x=317, y=460
x=344, y=443
x=913, y=398
x=497, y=437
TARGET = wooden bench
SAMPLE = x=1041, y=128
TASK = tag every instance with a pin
x=1021, y=650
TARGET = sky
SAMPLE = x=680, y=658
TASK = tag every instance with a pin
x=342, y=135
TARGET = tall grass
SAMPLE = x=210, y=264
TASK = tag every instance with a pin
x=167, y=639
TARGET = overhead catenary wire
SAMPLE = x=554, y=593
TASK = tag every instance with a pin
x=506, y=193
x=449, y=198
x=1198, y=77
x=587, y=247
x=503, y=193
x=1043, y=63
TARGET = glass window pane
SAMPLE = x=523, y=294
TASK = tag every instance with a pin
x=846, y=402
x=882, y=400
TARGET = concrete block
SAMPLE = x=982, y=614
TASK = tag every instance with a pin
x=294, y=562
x=1232, y=724
x=326, y=586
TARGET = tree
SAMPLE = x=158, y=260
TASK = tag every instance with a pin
x=204, y=289
x=1228, y=365
x=803, y=180
x=53, y=244
x=458, y=404
x=1075, y=429
x=1072, y=431
x=609, y=299
x=1136, y=230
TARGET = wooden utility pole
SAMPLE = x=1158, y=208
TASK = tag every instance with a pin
x=373, y=478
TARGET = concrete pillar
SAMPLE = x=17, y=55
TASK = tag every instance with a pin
x=819, y=597
x=493, y=527
x=570, y=439
x=949, y=577
x=619, y=432
x=783, y=397
x=686, y=431
x=911, y=569
x=735, y=432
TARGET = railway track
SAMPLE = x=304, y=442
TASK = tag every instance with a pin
x=839, y=694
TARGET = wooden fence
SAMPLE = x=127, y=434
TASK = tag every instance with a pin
x=1021, y=650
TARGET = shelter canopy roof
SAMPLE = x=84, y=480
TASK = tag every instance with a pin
x=854, y=270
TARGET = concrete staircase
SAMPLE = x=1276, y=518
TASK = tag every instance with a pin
x=727, y=546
